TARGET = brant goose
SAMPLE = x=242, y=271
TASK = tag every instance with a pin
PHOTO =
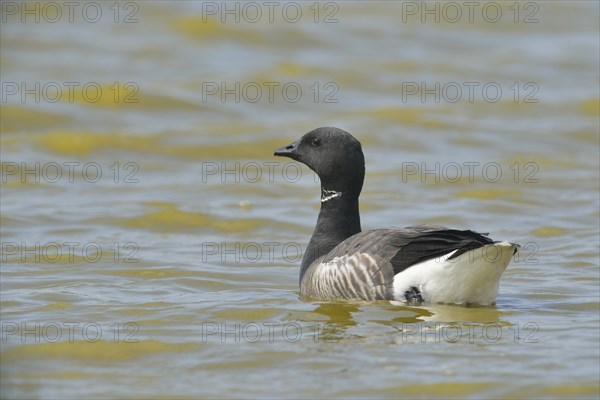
x=424, y=263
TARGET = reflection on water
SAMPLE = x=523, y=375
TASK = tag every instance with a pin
x=340, y=316
x=151, y=242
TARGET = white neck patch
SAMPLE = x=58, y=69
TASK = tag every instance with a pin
x=327, y=195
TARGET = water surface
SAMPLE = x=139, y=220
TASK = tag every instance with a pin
x=153, y=250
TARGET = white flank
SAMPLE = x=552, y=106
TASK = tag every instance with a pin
x=354, y=276
x=471, y=278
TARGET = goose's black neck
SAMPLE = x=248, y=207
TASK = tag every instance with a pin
x=338, y=219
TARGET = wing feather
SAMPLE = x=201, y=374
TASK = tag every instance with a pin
x=400, y=248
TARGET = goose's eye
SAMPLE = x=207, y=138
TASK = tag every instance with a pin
x=316, y=142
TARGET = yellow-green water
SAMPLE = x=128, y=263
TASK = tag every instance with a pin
x=151, y=242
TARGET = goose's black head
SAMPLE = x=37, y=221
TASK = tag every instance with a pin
x=335, y=156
